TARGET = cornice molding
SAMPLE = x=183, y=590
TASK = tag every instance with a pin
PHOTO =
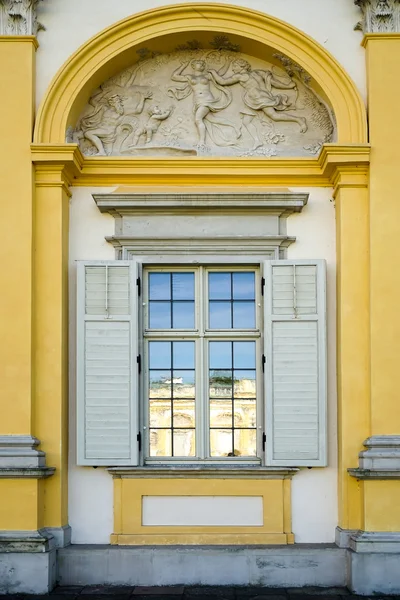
x=229, y=173
x=379, y=16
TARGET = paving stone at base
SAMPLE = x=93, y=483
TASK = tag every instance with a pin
x=220, y=592
x=319, y=591
x=168, y=590
x=107, y=590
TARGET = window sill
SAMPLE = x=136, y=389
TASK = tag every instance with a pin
x=203, y=472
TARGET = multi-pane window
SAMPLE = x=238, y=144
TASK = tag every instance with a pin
x=201, y=335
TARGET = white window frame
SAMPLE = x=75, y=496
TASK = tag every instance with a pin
x=200, y=333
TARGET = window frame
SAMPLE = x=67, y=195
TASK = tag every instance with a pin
x=200, y=334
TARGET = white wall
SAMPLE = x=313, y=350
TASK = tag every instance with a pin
x=314, y=497
x=70, y=23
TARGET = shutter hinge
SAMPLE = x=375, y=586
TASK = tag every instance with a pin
x=139, y=286
x=139, y=363
x=264, y=440
x=139, y=440
x=263, y=361
x=262, y=285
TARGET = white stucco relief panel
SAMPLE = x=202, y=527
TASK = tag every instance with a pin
x=70, y=24
x=205, y=98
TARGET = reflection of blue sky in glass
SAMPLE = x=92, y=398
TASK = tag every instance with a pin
x=220, y=355
x=160, y=355
x=183, y=354
x=159, y=286
x=220, y=315
x=183, y=286
x=244, y=355
x=243, y=286
x=219, y=286
x=244, y=315
x=160, y=315
x=183, y=315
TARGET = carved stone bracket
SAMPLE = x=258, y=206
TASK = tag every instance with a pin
x=18, y=17
x=379, y=16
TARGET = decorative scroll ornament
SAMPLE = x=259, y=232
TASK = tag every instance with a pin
x=379, y=16
x=18, y=17
x=213, y=102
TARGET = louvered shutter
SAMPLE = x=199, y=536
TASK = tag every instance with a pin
x=107, y=349
x=295, y=367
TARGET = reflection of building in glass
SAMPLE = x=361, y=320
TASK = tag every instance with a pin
x=232, y=417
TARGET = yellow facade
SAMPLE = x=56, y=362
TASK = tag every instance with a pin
x=35, y=328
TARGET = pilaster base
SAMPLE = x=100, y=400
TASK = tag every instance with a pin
x=28, y=562
x=374, y=573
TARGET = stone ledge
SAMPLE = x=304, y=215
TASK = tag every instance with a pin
x=374, y=474
x=26, y=473
x=26, y=541
x=202, y=472
x=387, y=542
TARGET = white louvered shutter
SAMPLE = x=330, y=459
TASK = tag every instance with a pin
x=295, y=367
x=107, y=376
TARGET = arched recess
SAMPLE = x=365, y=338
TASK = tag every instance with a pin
x=114, y=49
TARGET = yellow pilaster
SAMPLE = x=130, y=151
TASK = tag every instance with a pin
x=383, y=59
x=353, y=360
x=51, y=333
x=17, y=60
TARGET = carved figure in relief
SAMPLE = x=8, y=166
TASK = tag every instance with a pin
x=156, y=115
x=202, y=84
x=258, y=95
x=101, y=126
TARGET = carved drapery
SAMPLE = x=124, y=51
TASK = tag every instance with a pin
x=18, y=17
x=379, y=16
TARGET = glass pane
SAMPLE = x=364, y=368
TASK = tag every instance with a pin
x=183, y=286
x=159, y=355
x=221, y=442
x=244, y=355
x=221, y=355
x=184, y=442
x=220, y=315
x=221, y=413
x=160, y=442
x=245, y=384
x=220, y=384
x=244, y=315
x=159, y=286
x=245, y=442
x=183, y=384
x=160, y=315
x=160, y=384
x=183, y=355
x=219, y=286
x=243, y=286
x=183, y=315
x=184, y=413
x=245, y=413
x=160, y=413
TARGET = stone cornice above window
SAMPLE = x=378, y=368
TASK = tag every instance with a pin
x=379, y=16
x=225, y=223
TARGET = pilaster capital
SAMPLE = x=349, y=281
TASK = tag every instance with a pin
x=345, y=166
x=379, y=16
x=56, y=165
x=380, y=459
x=18, y=17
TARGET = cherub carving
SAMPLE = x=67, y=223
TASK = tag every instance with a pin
x=156, y=115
